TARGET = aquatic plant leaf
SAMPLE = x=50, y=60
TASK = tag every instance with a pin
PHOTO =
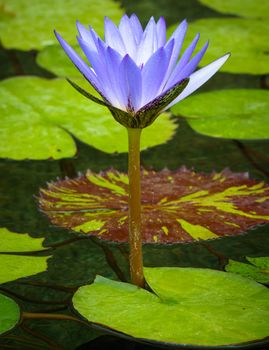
x=53, y=59
x=27, y=27
x=14, y=242
x=233, y=114
x=258, y=269
x=177, y=206
x=38, y=117
x=17, y=266
x=257, y=9
x=246, y=39
x=9, y=313
x=190, y=306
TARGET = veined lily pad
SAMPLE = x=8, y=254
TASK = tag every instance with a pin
x=38, y=117
x=250, y=8
x=9, y=314
x=177, y=206
x=17, y=266
x=27, y=26
x=232, y=114
x=258, y=269
x=190, y=307
x=247, y=40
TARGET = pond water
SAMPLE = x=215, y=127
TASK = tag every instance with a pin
x=75, y=259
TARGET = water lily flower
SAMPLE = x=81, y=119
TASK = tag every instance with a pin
x=137, y=73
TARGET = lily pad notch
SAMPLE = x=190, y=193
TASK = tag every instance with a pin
x=214, y=310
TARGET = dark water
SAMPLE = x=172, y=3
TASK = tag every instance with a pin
x=77, y=262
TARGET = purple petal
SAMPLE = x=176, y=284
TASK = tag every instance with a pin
x=86, y=35
x=154, y=72
x=161, y=32
x=113, y=60
x=125, y=29
x=92, y=56
x=148, y=44
x=131, y=80
x=190, y=67
x=113, y=37
x=104, y=69
x=81, y=65
x=136, y=28
x=200, y=77
x=183, y=60
x=97, y=62
x=96, y=37
x=178, y=37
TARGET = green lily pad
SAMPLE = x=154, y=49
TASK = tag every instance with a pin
x=27, y=26
x=233, y=114
x=9, y=314
x=247, y=40
x=258, y=269
x=17, y=266
x=54, y=59
x=38, y=117
x=177, y=206
x=250, y=8
x=190, y=306
x=14, y=242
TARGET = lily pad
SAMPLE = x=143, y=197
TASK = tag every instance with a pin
x=38, y=117
x=9, y=314
x=190, y=307
x=177, y=206
x=27, y=26
x=17, y=266
x=54, y=59
x=14, y=242
x=258, y=269
x=247, y=40
x=233, y=114
x=257, y=9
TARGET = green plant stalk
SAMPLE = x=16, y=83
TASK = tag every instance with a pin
x=135, y=241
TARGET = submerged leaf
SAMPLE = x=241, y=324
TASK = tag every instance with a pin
x=232, y=114
x=9, y=314
x=44, y=114
x=258, y=269
x=190, y=306
x=17, y=266
x=177, y=206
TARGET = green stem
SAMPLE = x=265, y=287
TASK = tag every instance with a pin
x=135, y=242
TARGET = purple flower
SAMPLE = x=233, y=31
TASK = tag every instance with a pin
x=137, y=72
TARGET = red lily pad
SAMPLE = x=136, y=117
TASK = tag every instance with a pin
x=177, y=206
